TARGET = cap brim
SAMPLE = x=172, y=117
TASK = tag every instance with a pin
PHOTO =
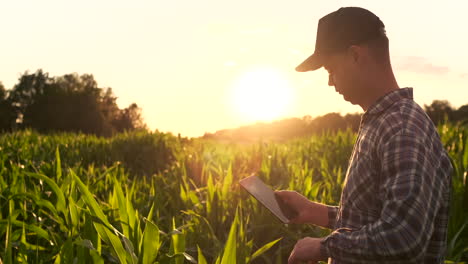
x=312, y=63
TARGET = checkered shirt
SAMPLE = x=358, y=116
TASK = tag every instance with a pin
x=395, y=201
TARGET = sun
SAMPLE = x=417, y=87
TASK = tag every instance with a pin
x=261, y=94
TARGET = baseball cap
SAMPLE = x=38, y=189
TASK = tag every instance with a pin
x=340, y=29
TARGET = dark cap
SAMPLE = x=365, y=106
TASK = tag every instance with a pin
x=340, y=29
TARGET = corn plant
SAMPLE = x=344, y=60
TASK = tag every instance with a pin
x=154, y=198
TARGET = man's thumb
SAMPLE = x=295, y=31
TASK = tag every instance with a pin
x=281, y=196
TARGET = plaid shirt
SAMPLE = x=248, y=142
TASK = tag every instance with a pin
x=395, y=201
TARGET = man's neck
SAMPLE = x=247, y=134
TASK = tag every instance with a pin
x=379, y=89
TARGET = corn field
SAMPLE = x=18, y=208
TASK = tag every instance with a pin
x=146, y=197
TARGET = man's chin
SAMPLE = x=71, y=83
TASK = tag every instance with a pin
x=350, y=100
x=346, y=98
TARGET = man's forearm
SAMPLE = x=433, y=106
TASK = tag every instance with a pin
x=322, y=215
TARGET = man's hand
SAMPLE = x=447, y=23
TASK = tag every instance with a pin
x=308, y=212
x=297, y=203
x=306, y=250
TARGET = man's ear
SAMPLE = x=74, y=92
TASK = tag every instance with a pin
x=355, y=53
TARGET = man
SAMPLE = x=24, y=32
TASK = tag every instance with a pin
x=394, y=204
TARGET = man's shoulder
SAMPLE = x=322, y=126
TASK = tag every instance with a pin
x=404, y=116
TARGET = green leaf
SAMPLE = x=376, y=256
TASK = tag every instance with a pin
x=123, y=215
x=58, y=192
x=201, y=258
x=150, y=213
x=31, y=227
x=66, y=252
x=229, y=254
x=133, y=221
x=150, y=246
x=265, y=247
x=227, y=183
x=178, y=243
x=105, y=233
x=58, y=166
x=37, y=200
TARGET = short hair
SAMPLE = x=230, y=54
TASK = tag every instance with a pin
x=379, y=48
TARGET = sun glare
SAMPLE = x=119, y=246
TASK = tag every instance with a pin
x=261, y=94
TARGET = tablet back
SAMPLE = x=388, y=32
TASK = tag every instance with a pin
x=264, y=194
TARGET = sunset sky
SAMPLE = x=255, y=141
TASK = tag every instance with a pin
x=205, y=65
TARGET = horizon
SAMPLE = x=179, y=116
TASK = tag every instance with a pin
x=197, y=68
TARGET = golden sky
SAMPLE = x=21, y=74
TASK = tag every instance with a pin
x=200, y=66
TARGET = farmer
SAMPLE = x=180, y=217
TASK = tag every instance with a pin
x=395, y=201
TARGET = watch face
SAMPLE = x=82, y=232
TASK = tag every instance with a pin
x=264, y=194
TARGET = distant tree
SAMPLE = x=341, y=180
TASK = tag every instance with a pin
x=330, y=122
x=29, y=88
x=439, y=110
x=129, y=119
x=3, y=92
x=67, y=103
x=353, y=121
x=108, y=105
x=70, y=102
x=289, y=128
x=461, y=114
x=7, y=113
x=57, y=110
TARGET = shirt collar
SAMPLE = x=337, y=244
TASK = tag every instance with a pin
x=389, y=99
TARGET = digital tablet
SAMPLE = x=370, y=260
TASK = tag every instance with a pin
x=266, y=196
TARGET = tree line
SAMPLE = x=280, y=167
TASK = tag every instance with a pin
x=75, y=103
x=439, y=111
x=68, y=103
